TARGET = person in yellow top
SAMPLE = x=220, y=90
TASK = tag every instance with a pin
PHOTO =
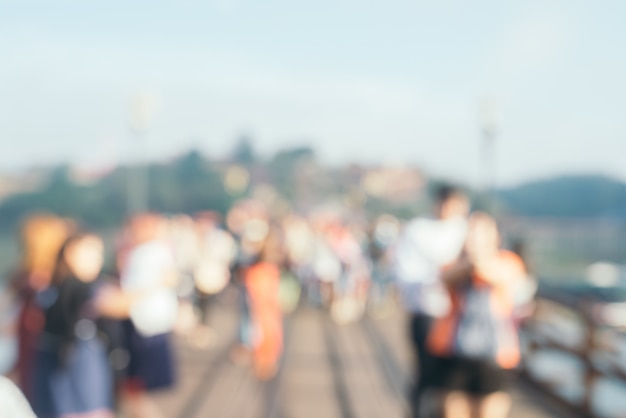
x=477, y=341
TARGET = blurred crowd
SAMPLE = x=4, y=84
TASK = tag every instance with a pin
x=93, y=335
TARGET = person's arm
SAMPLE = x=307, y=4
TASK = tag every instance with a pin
x=8, y=328
x=12, y=401
x=457, y=272
x=439, y=242
x=523, y=294
x=112, y=302
x=8, y=303
x=163, y=256
x=409, y=265
x=170, y=278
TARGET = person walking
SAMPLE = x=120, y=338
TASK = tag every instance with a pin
x=72, y=376
x=41, y=238
x=262, y=281
x=477, y=341
x=217, y=250
x=425, y=246
x=149, y=274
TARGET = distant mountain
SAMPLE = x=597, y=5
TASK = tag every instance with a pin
x=580, y=196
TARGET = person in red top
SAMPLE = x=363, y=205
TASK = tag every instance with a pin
x=477, y=340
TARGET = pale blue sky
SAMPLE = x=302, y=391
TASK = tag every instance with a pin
x=367, y=80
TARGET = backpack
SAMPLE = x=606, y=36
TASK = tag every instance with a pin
x=477, y=327
x=481, y=332
x=480, y=324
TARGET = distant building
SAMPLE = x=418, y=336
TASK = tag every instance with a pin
x=396, y=184
x=22, y=183
x=88, y=175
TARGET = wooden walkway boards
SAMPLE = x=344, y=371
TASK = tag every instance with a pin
x=359, y=370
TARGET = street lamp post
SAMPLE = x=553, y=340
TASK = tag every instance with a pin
x=488, y=121
x=143, y=108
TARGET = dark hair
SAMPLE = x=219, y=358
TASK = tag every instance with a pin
x=209, y=215
x=62, y=269
x=273, y=246
x=71, y=296
x=445, y=192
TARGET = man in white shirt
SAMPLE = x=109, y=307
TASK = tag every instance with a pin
x=424, y=248
x=149, y=275
x=13, y=404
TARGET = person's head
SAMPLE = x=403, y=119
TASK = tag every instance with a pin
x=145, y=227
x=81, y=256
x=272, y=250
x=483, y=236
x=177, y=224
x=41, y=238
x=254, y=234
x=207, y=220
x=236, y=219
x=451, y=203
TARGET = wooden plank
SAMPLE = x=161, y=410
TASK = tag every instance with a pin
x=354, y=371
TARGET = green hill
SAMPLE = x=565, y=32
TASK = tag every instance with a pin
x=575, y=196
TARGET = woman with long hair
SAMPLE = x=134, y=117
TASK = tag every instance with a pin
x=41, y=237
x=477, y=341
x=72, y=375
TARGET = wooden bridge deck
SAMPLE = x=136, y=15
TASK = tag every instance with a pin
x=354, y=371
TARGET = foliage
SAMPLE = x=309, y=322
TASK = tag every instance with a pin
x=188, y=185
x=193, y=183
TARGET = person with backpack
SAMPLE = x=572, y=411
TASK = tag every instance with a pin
x=72, y=374
x=423, y=248
x=477, y=341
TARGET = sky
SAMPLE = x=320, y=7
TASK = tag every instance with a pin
x=368, y=81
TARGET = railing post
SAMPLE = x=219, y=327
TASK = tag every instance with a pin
x=591, y=374
x=531, y=346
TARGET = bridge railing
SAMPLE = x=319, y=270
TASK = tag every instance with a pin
x=573, y=346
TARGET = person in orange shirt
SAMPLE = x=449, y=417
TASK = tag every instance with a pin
x=477, y=340
x=262, y=281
